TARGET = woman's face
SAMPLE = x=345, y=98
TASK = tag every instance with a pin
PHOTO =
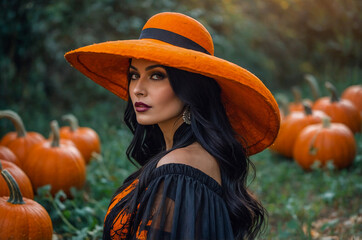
x=153, y=98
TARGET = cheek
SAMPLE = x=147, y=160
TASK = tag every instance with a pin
x=130, y=91
x=168, y=99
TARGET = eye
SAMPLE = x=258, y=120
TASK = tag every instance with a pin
x=133, y=76
x=158, y=76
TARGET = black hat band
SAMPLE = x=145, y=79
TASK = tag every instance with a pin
x=171, y=38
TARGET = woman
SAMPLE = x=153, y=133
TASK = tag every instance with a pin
x=195, y=118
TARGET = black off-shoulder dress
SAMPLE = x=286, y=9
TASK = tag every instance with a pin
x=181, y=202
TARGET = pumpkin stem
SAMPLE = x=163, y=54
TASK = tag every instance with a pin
x=333, y=91
x=55, y=133
x=15, y=194
x=312, y=82
x=307, y=108
x=1, y=166
x=297, y=94
x=326, y=122
x=16, y=120
x=73, y=121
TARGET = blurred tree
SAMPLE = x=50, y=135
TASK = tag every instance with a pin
x=306, y=36
x=278, y=40
x=20, y=45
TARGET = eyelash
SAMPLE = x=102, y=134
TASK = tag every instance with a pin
x=131, y=74
x=160, y=76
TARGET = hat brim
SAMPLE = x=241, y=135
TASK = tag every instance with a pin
x=250, y=106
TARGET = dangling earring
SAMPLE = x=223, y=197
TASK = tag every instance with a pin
x=186, y=116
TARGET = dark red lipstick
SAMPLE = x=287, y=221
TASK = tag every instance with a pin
x=141, y=107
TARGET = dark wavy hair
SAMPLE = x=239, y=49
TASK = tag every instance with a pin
x=210, y=127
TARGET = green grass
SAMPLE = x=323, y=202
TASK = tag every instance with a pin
x=301, y=205
x=308, y=205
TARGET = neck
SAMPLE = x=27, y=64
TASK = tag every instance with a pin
x=168, y=129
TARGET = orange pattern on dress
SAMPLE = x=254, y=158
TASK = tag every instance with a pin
x=121, y=221
x=143, y=234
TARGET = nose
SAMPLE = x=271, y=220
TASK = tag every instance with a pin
x=139, y=88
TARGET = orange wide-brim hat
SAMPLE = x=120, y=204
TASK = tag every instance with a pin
x=179, y=41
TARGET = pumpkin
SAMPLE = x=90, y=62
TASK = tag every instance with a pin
x=354, y=94
x=340, y=110
x=290, y=128
x=7, y=155
x=85, y=139
x=20, y=177
x=56, y=162
x=21, y=141
x=325, y=142
x=22, y=218
x=297, y=105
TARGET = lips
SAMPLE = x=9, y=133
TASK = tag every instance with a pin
x=141, y=107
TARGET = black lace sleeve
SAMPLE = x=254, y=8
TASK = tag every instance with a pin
x=181, y=202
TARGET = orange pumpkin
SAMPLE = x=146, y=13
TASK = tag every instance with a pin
x=85, y=139
x=19, y=142
x=20, y=177
x=290, y=128
x=325, y=142
x=354, y=94
x=297, y=105
x=22, y=218
x=340, y=110
x=7, y=155
x=56, y=162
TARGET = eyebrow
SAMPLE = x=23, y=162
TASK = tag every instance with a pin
x=149, y=67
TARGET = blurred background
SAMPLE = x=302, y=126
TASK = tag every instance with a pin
x=278, y=40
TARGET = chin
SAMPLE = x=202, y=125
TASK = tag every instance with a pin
x=143, y=121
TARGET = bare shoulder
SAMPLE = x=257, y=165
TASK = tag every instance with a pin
x=195, y=156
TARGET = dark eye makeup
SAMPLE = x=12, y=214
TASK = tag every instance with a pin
x=154, y=75
x=158, y=75
x=133, y=75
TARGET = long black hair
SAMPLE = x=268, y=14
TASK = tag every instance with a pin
x=210, y=127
